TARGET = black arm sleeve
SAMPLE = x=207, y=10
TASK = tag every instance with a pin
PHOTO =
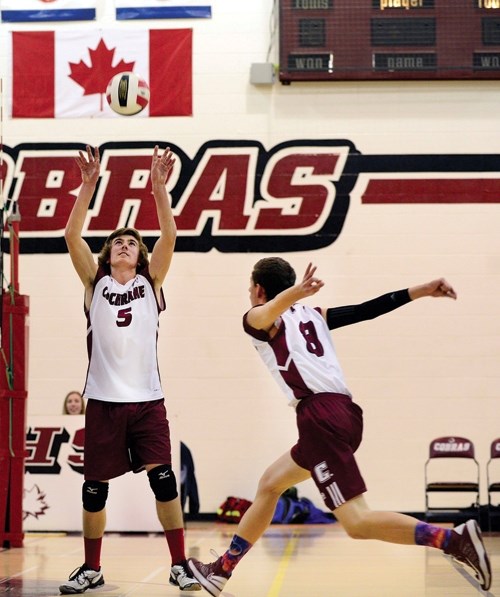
x=338, y=317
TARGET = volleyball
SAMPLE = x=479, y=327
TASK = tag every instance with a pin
x=127, y=94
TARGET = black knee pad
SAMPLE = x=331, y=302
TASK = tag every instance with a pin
x=94, y=495
x=163, y=483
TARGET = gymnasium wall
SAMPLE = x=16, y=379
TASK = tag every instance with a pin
x=426, y=370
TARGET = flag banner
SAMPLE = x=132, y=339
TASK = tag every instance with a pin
x=19, y=11
x=161, y=9
x=64, y=74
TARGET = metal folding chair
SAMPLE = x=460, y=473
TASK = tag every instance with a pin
x=451, y=479
x=493, y=472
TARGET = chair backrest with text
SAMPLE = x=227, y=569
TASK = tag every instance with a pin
x=451, y=447
x=493, y=474
x=495, y=448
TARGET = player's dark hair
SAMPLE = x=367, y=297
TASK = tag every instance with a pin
x=274, y=275
x=103, y=258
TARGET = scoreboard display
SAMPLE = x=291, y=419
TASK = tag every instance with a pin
x=328, y=40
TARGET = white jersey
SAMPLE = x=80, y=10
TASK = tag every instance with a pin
x=301, y=356
x=122, y=332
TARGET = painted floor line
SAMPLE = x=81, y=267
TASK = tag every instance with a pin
x=275, y=589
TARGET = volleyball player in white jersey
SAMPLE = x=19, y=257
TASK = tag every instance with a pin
x=126, y=426
x=295, y=344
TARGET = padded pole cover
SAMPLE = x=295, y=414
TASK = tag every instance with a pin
x=13, y=396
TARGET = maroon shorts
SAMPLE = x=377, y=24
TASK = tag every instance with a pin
x=121, y=437
x=330, y=430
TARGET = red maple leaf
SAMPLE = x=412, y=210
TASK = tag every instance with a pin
x=95, y=78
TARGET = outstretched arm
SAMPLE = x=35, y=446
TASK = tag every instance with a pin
x=161, y=170
x=263, y=317
x=80, y=253
x=340, y=316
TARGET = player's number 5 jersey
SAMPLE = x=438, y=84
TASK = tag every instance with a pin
x=122, y=333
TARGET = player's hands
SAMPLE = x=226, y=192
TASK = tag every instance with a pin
x=161, y=166
x=89, y=165
x=310, y=283
x=436, y=288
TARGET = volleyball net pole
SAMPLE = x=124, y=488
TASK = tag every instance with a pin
x=14, y=343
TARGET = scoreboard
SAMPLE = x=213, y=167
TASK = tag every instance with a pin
x=327, y=40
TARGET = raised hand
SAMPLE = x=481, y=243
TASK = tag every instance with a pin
x=89, y=165
x=437, y=288
x=161, y=166
x=440, y=287
x=310, y=284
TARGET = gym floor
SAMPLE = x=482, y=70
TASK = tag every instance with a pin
x=289, y=561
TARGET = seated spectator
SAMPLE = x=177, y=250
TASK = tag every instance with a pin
x=74, y=404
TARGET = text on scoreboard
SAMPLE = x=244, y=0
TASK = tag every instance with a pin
x=322, y=40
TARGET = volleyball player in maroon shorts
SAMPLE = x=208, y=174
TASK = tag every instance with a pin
x=126, y=425
x=295, y=344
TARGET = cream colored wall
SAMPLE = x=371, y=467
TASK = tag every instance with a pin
x=429, y=369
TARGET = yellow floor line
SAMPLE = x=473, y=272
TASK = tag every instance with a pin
x=275, y=589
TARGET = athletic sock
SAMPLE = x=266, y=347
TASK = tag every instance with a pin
x=432, y=536
x=175, y=540
x=93, y=552
x=238, y=548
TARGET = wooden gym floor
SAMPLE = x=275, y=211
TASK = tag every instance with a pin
x=289, y=561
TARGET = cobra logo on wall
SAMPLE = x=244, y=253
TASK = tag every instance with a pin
x=233, y=196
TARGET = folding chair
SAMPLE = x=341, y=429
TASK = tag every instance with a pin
x=493, y=471
x=451, y=476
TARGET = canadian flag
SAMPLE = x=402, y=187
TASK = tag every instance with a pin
x=64, y=74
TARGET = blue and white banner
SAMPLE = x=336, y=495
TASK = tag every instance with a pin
x=19, y=11
x=162, y=9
